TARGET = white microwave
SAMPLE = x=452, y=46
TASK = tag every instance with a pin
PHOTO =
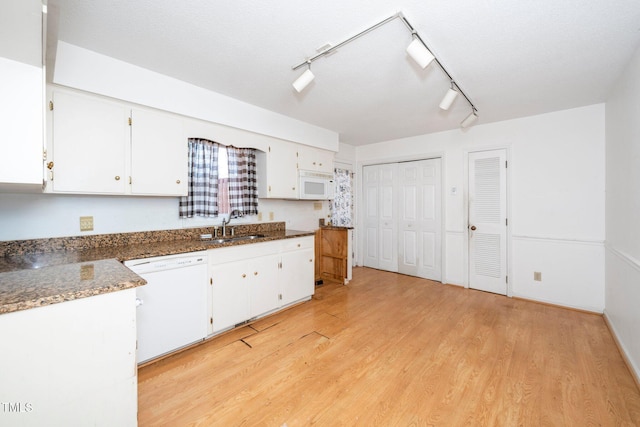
x=315, y=185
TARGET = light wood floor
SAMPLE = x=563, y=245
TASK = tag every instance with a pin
x=389, y=349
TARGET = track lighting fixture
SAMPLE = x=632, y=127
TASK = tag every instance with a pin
x=417, y=50
x=470, y=119
x=449, y=97
x=304, y=79
x=419, y=53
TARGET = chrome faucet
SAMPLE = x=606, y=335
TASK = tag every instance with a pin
x=224, y=223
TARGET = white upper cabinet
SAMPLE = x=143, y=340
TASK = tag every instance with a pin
x=89, y=145
x=159, y=154
x=21, y=86
x=106, y=147
x=315, y=159
x=282, y=173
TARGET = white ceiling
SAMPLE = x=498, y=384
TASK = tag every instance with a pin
x=512, y=58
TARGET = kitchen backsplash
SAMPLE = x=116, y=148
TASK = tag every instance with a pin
x=22, y=247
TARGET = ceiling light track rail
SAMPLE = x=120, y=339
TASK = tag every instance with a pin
x=421, y=54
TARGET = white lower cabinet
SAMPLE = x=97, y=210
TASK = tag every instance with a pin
x=252, y=280
x=71, y=363
x=297, y=270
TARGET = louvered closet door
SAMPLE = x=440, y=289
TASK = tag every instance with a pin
x=487, y=221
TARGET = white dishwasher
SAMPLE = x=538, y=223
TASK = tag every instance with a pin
x=172, y=306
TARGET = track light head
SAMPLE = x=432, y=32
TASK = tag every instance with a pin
x=470, y=119
x=304, y=80
x=448, y=99
x=420, y=53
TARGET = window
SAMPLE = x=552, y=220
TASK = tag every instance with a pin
x=222, y=179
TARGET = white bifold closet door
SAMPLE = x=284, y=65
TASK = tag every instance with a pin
x=403, y=224
x=488, y=221
x=381, y=213
x=420, y=212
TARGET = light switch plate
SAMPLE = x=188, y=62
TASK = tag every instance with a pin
x=86, y=223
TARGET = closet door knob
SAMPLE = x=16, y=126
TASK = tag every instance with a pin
x=117, y=178
x=178, y=181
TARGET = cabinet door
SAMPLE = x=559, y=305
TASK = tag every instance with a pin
x=89, y=145
x=264, y=287
x=21, y=86
x=297, y=272
x=159, y=154
x=230, y=294
x=282, y=172
x=315, y=159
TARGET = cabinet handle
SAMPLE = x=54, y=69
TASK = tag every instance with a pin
x=314, y=163
x=298, y=244
x=255, y=273
x=311, y=260
x=178, y=181
x=320, y=164
x=244, y=275
x=117, y=178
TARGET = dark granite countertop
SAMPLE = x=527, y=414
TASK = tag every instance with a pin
x=33, y=279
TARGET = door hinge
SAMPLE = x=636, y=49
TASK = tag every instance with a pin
x=44, y=154
x=211, y=320
x=211, y=280
x=269, y=148
x=280, y=264
x=269, y=189
x=506, y=222
x=50, y=105
x=130, y=180
x=506, y=279
x=130, y=121
x=279, y=296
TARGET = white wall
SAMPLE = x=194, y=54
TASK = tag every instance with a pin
x=31, y=216
x=89, y=71
x=556, y=199
x=622, y=299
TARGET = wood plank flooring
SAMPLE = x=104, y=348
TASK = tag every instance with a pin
x=390, y=349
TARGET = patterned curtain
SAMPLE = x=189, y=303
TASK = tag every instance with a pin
x=342, y=204
x=202, y=199
x=243, y=185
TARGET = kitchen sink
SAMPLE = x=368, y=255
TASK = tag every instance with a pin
x=222, y=241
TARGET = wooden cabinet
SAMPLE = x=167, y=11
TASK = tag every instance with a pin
x=105, y=147
x=21, y=86
x=252, y=280
x=315, y=159
x=71, y=363
x=334, y=250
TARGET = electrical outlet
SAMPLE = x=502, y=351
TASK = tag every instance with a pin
x=270, y=216
x=317, y=206
x=537, y=276
x=259, y=216
x=86, y=223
